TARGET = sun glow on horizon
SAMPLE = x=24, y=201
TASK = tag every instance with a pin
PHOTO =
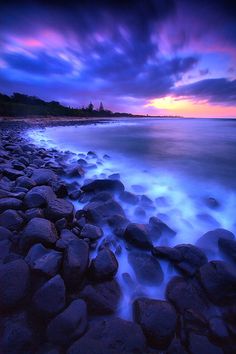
x=183, y=106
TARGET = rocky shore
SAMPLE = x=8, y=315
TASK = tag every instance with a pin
x=59, y=291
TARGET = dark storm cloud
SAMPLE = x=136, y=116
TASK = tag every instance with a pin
x=214, y=90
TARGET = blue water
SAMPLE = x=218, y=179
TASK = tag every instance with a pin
x=184, y=161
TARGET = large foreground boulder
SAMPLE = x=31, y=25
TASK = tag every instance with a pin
x=10, y=203
x=104, y=266
x=209, y=241
x=192, y=258
x=157, y=319
x=44, y=176
x=75, y=264
x=11, y=219
x=39, y=230
x=14, y=284
x=69, y=325
x=58, y=209
x=219, y=281
x=112, y=336
x=137, y=235
x=100, y=185
x=100, y=212
x=228, y=247
x=39, y=196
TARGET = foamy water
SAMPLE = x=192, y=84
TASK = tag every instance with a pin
x=182, y=161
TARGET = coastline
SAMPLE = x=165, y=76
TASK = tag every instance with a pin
x=67, y=254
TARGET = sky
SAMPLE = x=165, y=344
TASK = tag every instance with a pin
x=163, y=57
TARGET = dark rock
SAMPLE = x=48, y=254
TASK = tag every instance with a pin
x=14, y=284
x=147, y=268
x=172, y=254
x=48, y=348
x=129, y=198
x=58, y=209
x=218, y=330
x=200, y=344
x=75, y=264
x=60, y=189
x=209, y=241
x=39, y=197
x=157, y=319
x=111, y=336
x=49, y=299
x=219, y=282
x=5, y=246
x=69, y=325
x=185, y=294
x=162, y=202
x=91, y=232
x=118, y=223
x=43, y=260
x=6, y=194
x=192, y=258
x=10, y=203
x=176, y=347
x=12, y=174
x=146, y=202
x=102, y=298
x=108, y=185
x=159, y=228
x=66, y=237
x=39, y=230
x=208, y=219
x=99, y=212
x=5, y=234
x=140, y=212
x=194, y=321
x=34, y=213
x=101, y=197
x=11, y=219
x=104, y=266
x=228, y=247
x=114, y=176
x=212, y=203
x=25, y=182
x=137, y=235
x=44, y=176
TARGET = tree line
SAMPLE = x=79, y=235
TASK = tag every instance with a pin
x=21, y=105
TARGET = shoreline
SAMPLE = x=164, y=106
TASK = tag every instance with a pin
x=62, y=264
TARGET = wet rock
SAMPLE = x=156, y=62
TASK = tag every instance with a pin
x=11, y=219
x=129, y=198
x=66, y=237
x=192, y=258
x=17, y=335
x=164, y=252
x=43, y=260
x=75, y=263
x=185, y=294
x=60, y=189
x=218, y=330
x=10, y=203
x=176, y=347
x=91, y=232
x=114, y=176
x=139, y=212
x=25, y=182
x=34, y=213
x=118, y=224
x=39, y=197
x=101, y=197
x=228, y=247
x=99, y=212
x=104, y=266
x=212, y=203
x=58, y=209
x=146, y=267
x=146, y=202
x=201, y=344
x=194, y=321
x=208, y=220
x=5, y=234
x=12, y=173
x=137, y=235
x=219, y=282
x=157, y=319
x=209, y=241
x=49, y=299
x=69, y=325
x=14, y=284
x=100, y=185
x=162, y=202
x=44, y=176
x=5, y=246
x=159, y=228
x=48, y=348
x=102, y=298
x=76, y=171
x=13, y=194
x=111, y=336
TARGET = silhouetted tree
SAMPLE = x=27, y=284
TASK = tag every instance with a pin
x=101, y=108
x=90, y=107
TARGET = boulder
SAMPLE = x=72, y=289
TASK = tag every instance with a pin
x=5, y=246
x=99, y=185
x=157, y=319
x=49, y=299
x=192, y=258
x=104, y=266
x=69, y=325
x=75, y=263
x=44, y=261
x=99, y=212
x=129, y=198
x=209, y=241
x=185, y=294
x=102, y=298
x=164, y=252
x=39, y=230
x=219, y=281
x=218, y=330
x=10, y=203
x=58, y=209
x=176, y=347
x=11, y=219
x=25, y=182
x=66, y=237
x=34, y=213
x=146, y=268
x=118, y=224
x=12, y=173
x=228, y=247
x=137, y=235
x=101, y=197
x=111, y=336
x=14, y=284
x=39, y=196
x=5, y=234
x=91, y=232
x=44, y=176
x=158, y=228
x=201, y=344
